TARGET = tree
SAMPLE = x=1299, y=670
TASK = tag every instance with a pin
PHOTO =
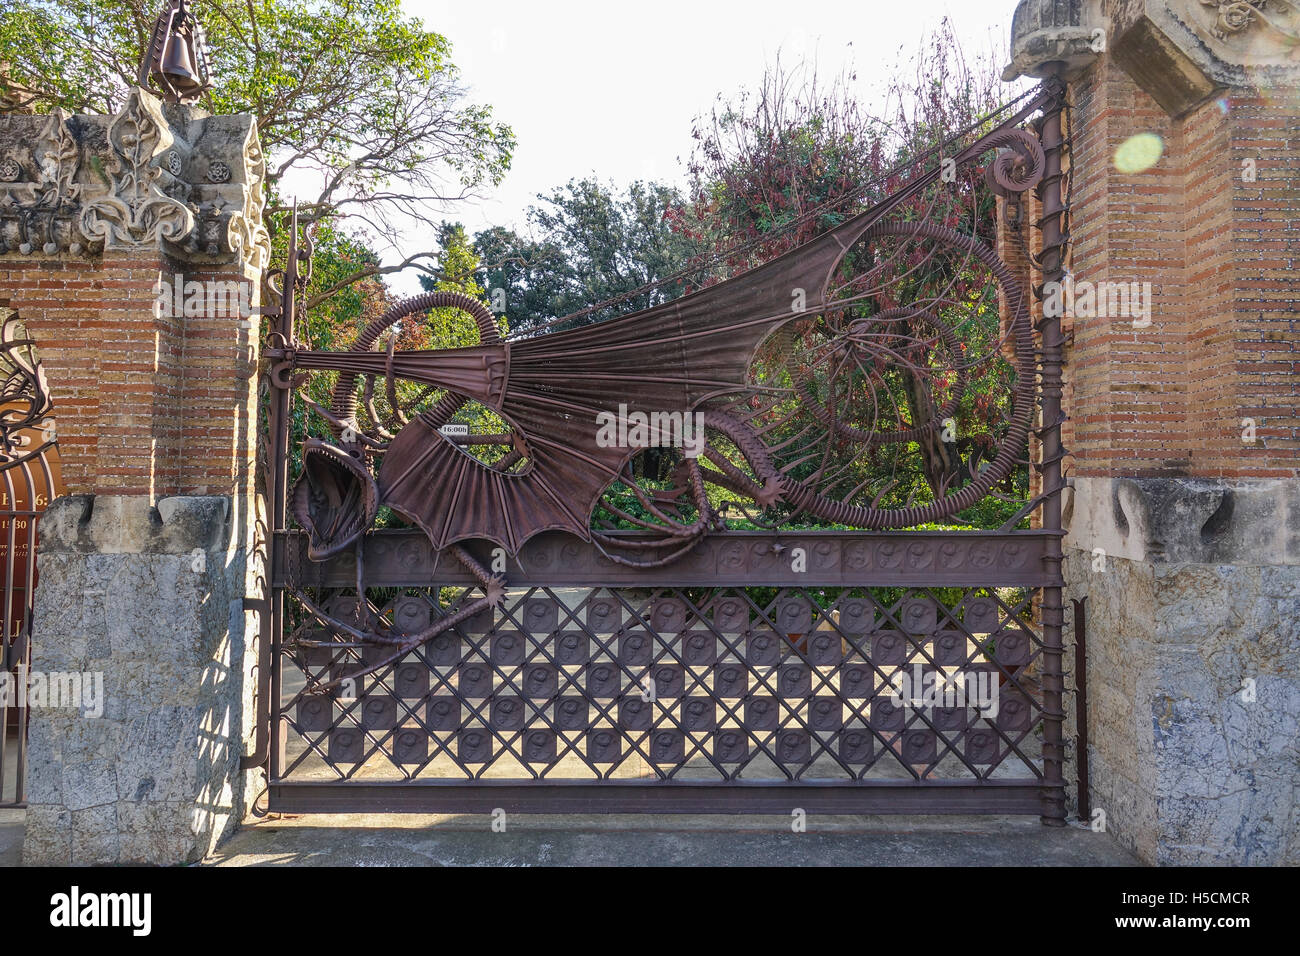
x=595, y=244
x=354, y=101
x=533, y=276
x=458, y=270
x=778, y=166
x=765, y=159
x=343, y=304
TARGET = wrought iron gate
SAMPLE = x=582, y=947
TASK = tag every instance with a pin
x=476, y=605
x=29, y=479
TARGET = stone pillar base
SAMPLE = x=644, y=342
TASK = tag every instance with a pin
x=151, y=598
x=1193, y=638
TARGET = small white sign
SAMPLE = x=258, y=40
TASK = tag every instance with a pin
x=454, y=431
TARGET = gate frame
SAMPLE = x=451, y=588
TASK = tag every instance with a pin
x=1045, y=796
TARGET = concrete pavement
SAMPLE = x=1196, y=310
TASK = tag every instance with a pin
x=666, y=841
x=625, y=840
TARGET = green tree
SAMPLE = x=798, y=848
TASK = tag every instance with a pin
x=782, y=164
x=531, y=274
x=594, y=243
x=343, y=305
x=356, y=104
x=457, y=270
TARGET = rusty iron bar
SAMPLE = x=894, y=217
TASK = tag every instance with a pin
x=1052, y=361
x=295, y=277
x=1081, y=706
x=272, y=631
x=678, y=796
x=404, y=558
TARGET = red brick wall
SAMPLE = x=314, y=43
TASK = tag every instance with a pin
x=219, y=397
x=1265, y=223
x=1220, y=254
x=145, y=404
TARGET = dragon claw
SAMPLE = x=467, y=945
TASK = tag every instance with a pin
x=770, y=494
x=495, y=591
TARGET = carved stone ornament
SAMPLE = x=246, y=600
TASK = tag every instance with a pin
x=1182, y=52
x=137, y=210
x=1234, y=17
x=1047, y=35
x=1187, y=52
x=83, y=184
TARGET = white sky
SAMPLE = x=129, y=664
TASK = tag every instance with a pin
x=611, y=88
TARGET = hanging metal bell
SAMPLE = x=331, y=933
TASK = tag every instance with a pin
x=175, y=59
x=179, y=64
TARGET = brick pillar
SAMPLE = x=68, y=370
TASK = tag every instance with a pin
x=1184, y=520
x=137, y=291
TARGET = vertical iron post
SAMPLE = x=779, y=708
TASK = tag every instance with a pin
x=1051, y=343
x=1081, y=705
x=281, y=385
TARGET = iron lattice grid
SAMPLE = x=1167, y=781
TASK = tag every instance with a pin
x=608, y=689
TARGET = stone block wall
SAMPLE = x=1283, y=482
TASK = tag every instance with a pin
x=151, y=597
x=1193, y=665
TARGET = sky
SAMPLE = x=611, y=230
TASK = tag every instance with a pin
x=611, y=89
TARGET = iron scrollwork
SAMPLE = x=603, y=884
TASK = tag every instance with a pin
x=24, y=395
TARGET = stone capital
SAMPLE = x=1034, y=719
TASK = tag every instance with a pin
x=1054, y=35
x=1182, y=52
x=170, y=178
x=113, y=524
x=1186, y=520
